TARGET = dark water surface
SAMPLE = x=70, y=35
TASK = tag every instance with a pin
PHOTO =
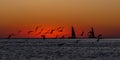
x=59, y=49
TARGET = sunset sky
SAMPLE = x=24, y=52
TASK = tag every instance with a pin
x=21, y=16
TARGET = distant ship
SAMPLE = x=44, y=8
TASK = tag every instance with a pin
x=91, y=33
x=73, y=35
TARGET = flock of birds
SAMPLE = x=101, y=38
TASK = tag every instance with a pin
x=50, y=31
x=58, y=29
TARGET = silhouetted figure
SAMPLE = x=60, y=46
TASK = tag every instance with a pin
x=73, y=33
x=10, y=35
x=43, y=36
x=60, y=44
x=29, y=32
x=91, y=33
x=82, y=33
x=99, y=37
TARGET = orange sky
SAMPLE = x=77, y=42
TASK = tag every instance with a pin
x=103, y=15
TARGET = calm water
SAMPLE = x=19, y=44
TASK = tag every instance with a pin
x=59, y=49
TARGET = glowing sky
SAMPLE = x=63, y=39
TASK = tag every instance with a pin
x=103, y=15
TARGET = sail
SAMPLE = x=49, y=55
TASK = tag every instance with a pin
x=91, y=33
x=73, y=32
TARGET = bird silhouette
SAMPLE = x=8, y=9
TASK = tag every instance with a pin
x=36, y=28
x=47, y=32
x=40, y=32
x=58, y=28
x=29, y=32
x=51, y=32
x=12, y=34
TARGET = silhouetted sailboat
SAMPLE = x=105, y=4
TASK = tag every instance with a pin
x=73, y=33
x=91, y=33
